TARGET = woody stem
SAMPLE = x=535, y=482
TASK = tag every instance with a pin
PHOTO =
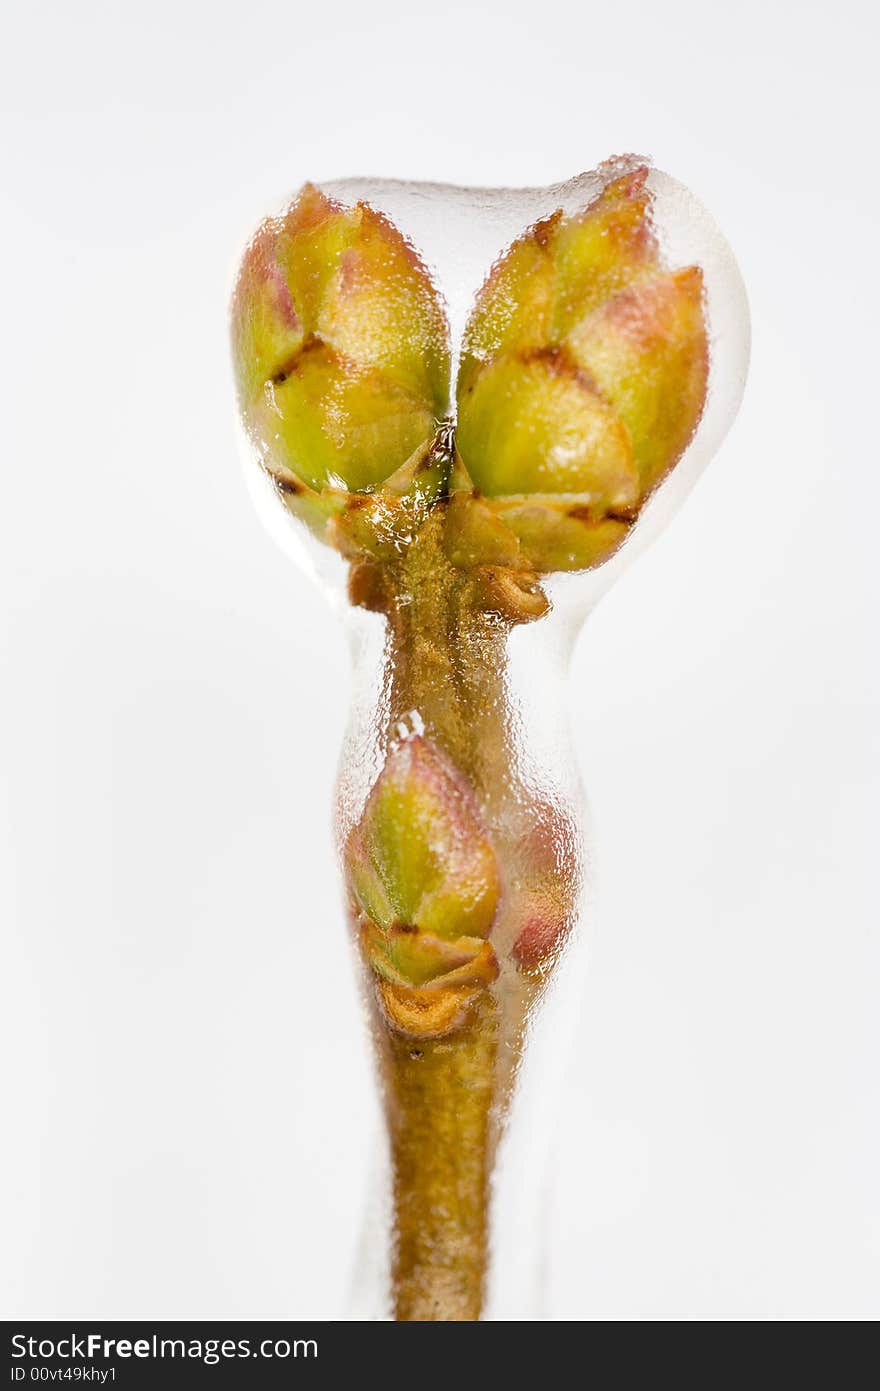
x=445, y=1098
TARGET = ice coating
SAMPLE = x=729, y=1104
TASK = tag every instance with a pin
x=460, y=233
x=476, y=405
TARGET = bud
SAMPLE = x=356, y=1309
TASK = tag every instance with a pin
x=341, y=356
x=583, y=377
x=424, y=883
x=542, y=928
x=545, y=904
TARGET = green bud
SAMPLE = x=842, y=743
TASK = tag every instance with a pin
x=425, y=885
x=583, y=377
x=423, y=835
x=341, y=354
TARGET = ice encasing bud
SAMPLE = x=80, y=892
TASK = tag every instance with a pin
x=583, y=377
x=424, y=883
x=341, y=355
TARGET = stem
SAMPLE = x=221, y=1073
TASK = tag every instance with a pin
x=446, y=1099
x=440, y=1094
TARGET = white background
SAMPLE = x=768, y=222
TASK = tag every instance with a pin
x=188, y=1103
